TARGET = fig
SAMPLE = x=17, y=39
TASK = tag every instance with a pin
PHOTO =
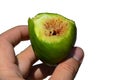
x=52, y=37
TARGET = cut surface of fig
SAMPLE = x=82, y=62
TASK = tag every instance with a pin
x=55, y=27
x=52, y=36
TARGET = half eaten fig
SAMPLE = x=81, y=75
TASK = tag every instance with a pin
x=52, y=37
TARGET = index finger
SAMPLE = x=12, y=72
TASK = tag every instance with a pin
x=16, y=34
x=8, y=40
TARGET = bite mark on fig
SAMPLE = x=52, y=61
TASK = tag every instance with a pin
x=55, y=27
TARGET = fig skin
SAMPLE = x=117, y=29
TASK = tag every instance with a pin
x=55, y=51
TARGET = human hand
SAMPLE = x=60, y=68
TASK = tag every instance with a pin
x=20, y=67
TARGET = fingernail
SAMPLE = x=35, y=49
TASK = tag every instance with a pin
x=78, y=54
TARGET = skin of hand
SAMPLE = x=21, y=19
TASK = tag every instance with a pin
x=20, y=67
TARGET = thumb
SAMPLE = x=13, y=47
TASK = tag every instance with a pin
x=68, y=69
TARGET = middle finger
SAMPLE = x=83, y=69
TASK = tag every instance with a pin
x=25, y=60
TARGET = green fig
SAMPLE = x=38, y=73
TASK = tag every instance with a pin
x=52, y=37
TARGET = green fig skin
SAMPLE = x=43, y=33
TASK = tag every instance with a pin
x=51, y=49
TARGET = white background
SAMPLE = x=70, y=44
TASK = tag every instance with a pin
x=98, y=24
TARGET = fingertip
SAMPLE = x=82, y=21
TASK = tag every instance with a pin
x=78, y=53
